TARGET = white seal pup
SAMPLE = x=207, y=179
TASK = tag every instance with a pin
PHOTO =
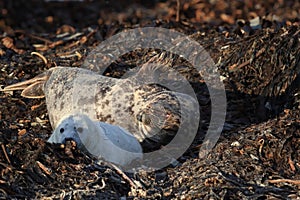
x=101, y=140
x=149, y=111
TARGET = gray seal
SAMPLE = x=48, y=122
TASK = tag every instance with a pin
x=149, y=111
x=101, y=140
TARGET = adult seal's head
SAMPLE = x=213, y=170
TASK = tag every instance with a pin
x=160, y=113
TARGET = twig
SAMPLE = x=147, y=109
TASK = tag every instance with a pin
x=124, y=176
x=291, y=163
x=54, y=44
x=248, y=61
x=41, y=56
x=39, y=38
x=43, y=167
x=82, y=40
x=5, y=154
x=103, y=184
x=34, y=36
x=297, y=32
x=296, y=182
x=178, y=11
x=70, y=55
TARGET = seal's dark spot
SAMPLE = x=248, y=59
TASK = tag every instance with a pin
x=61, y=130
x=80, y=129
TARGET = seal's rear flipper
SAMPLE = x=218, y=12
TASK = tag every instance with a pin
x=32, y=88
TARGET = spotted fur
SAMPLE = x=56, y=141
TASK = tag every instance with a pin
x=151, y=112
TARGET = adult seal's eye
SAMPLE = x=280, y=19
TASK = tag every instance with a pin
x=139, y=117
x=61, y=130
x=146, y=119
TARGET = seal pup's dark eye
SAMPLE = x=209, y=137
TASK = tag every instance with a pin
x=61, y=130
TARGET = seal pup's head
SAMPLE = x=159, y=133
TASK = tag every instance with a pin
x=99, y=139
x=71, y=128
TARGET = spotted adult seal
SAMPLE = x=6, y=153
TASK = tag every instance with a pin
x=151, y=112
x=101, y=140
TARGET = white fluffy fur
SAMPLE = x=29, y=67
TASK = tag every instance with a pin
x=102, y=140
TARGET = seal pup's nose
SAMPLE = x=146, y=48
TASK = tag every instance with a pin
x=65, y=140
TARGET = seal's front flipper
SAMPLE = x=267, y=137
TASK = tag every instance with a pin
x=32, y=88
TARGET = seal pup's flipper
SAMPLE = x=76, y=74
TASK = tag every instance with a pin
x=33, y=88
